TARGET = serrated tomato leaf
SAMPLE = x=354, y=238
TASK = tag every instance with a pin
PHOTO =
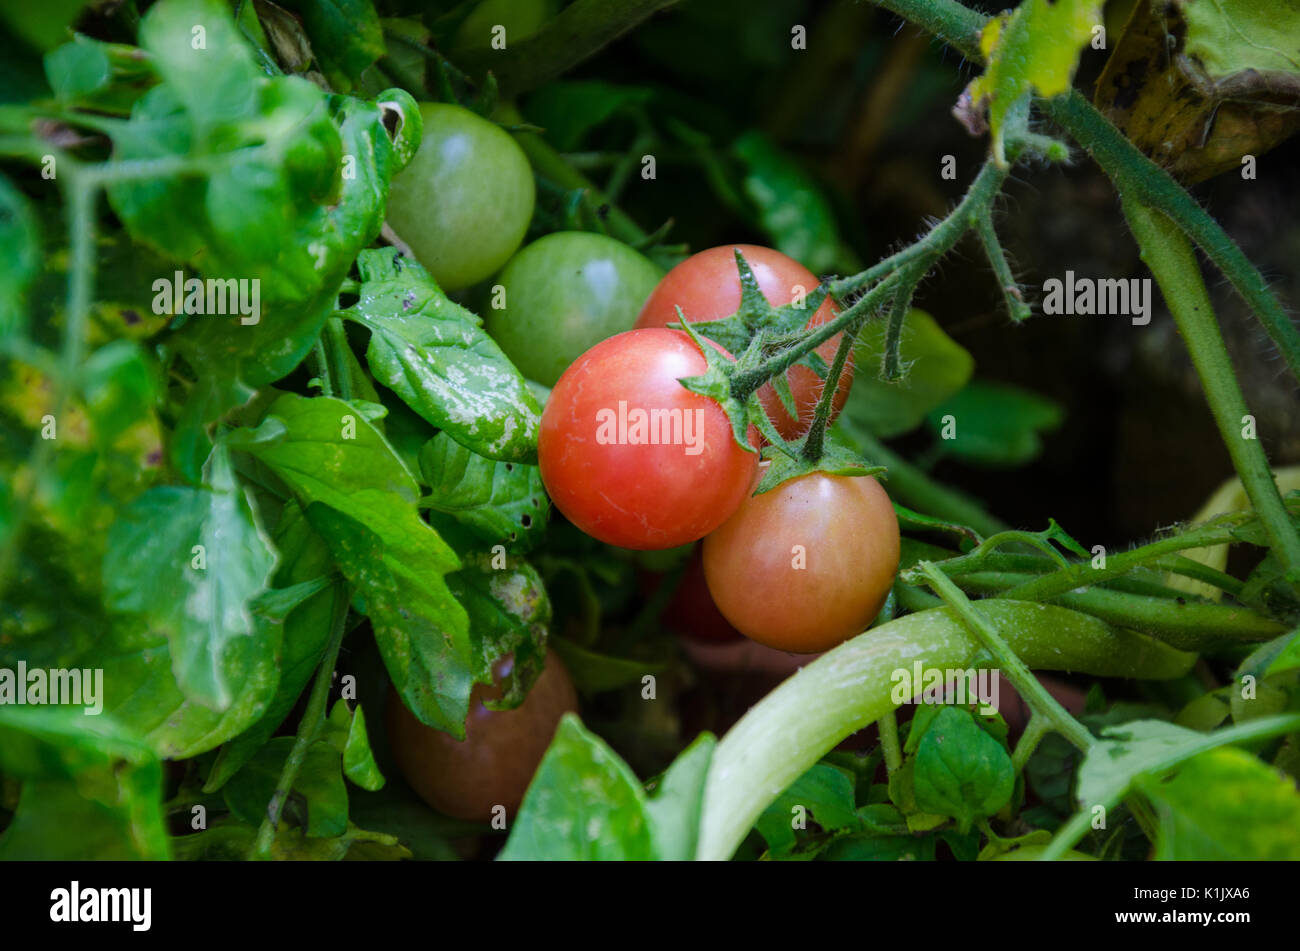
x=435, y=355
x=189, y=561
x=501, y=503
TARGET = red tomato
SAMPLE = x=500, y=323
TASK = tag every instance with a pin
x=501, y=750
x=707, y=287
x=631, y=456
x=808, y=564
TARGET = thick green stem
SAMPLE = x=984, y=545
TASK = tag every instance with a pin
x=582, y=29
x=1138, y=177
x=1126, y=166
x=552, y=164
x=81, y=192
x=1191, y=625
x=313, y=718
x=1037, y=728
x=335, y=341
x=321, y=365
x=851, y=686
x=1169, y=255
x=888, y=728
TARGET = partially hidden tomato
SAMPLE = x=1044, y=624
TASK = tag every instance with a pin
x=631, y=456
x=691, y=611
x=706, y=286
x=806, y=565
x=495, y=762
x=465, y=200
x=562, y=295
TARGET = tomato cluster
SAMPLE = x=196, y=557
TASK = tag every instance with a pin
x=627, y=453
x=635, y=459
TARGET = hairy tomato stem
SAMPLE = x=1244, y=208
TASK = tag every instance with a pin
x=1168, y=253
x=313, y=718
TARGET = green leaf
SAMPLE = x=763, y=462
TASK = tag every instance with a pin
x=299, y=284
x=331, y=453
x=319, y=782
x=91, y=789
x=502, y=503
x=892, y=848
x=189, y=561
x=584, y=803
x=569, y=108
x=792, y=207
x=1288, y=657
x=1034, y=48
x=118, y=388
x=593, y=672
x=42, y=24
x=1224, y=804
x=346, y=730
x=304, y=557
x=396, y=810
x=266, y=201
x=1236, y=36
x=908, y=519
x=277, y=604
x=939, y=368
x=141, y=691
x=18, y=265
x=420, y=628
x=995, y=424
x=78, y=68
x=1153, y=747
x=230, y=839
x=961, y=771
x=509, y=612
x=435, y=355
x=677, y=801
x=345, y=36
x=824, y=791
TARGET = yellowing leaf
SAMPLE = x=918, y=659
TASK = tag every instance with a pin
x=1034, y=49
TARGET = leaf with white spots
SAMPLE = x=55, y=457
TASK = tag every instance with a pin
x=189, y=561
x=435, y=355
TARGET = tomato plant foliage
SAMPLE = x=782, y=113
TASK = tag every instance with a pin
x=377, y=403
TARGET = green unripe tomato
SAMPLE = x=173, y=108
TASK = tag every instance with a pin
x=521, y=19
x=564, y=294
x=465, y=200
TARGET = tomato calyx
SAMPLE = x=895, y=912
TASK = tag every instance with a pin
x=716, y=383
x=763, y=330
x=789, y=463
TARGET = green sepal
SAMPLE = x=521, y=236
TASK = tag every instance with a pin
x=715, y=383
